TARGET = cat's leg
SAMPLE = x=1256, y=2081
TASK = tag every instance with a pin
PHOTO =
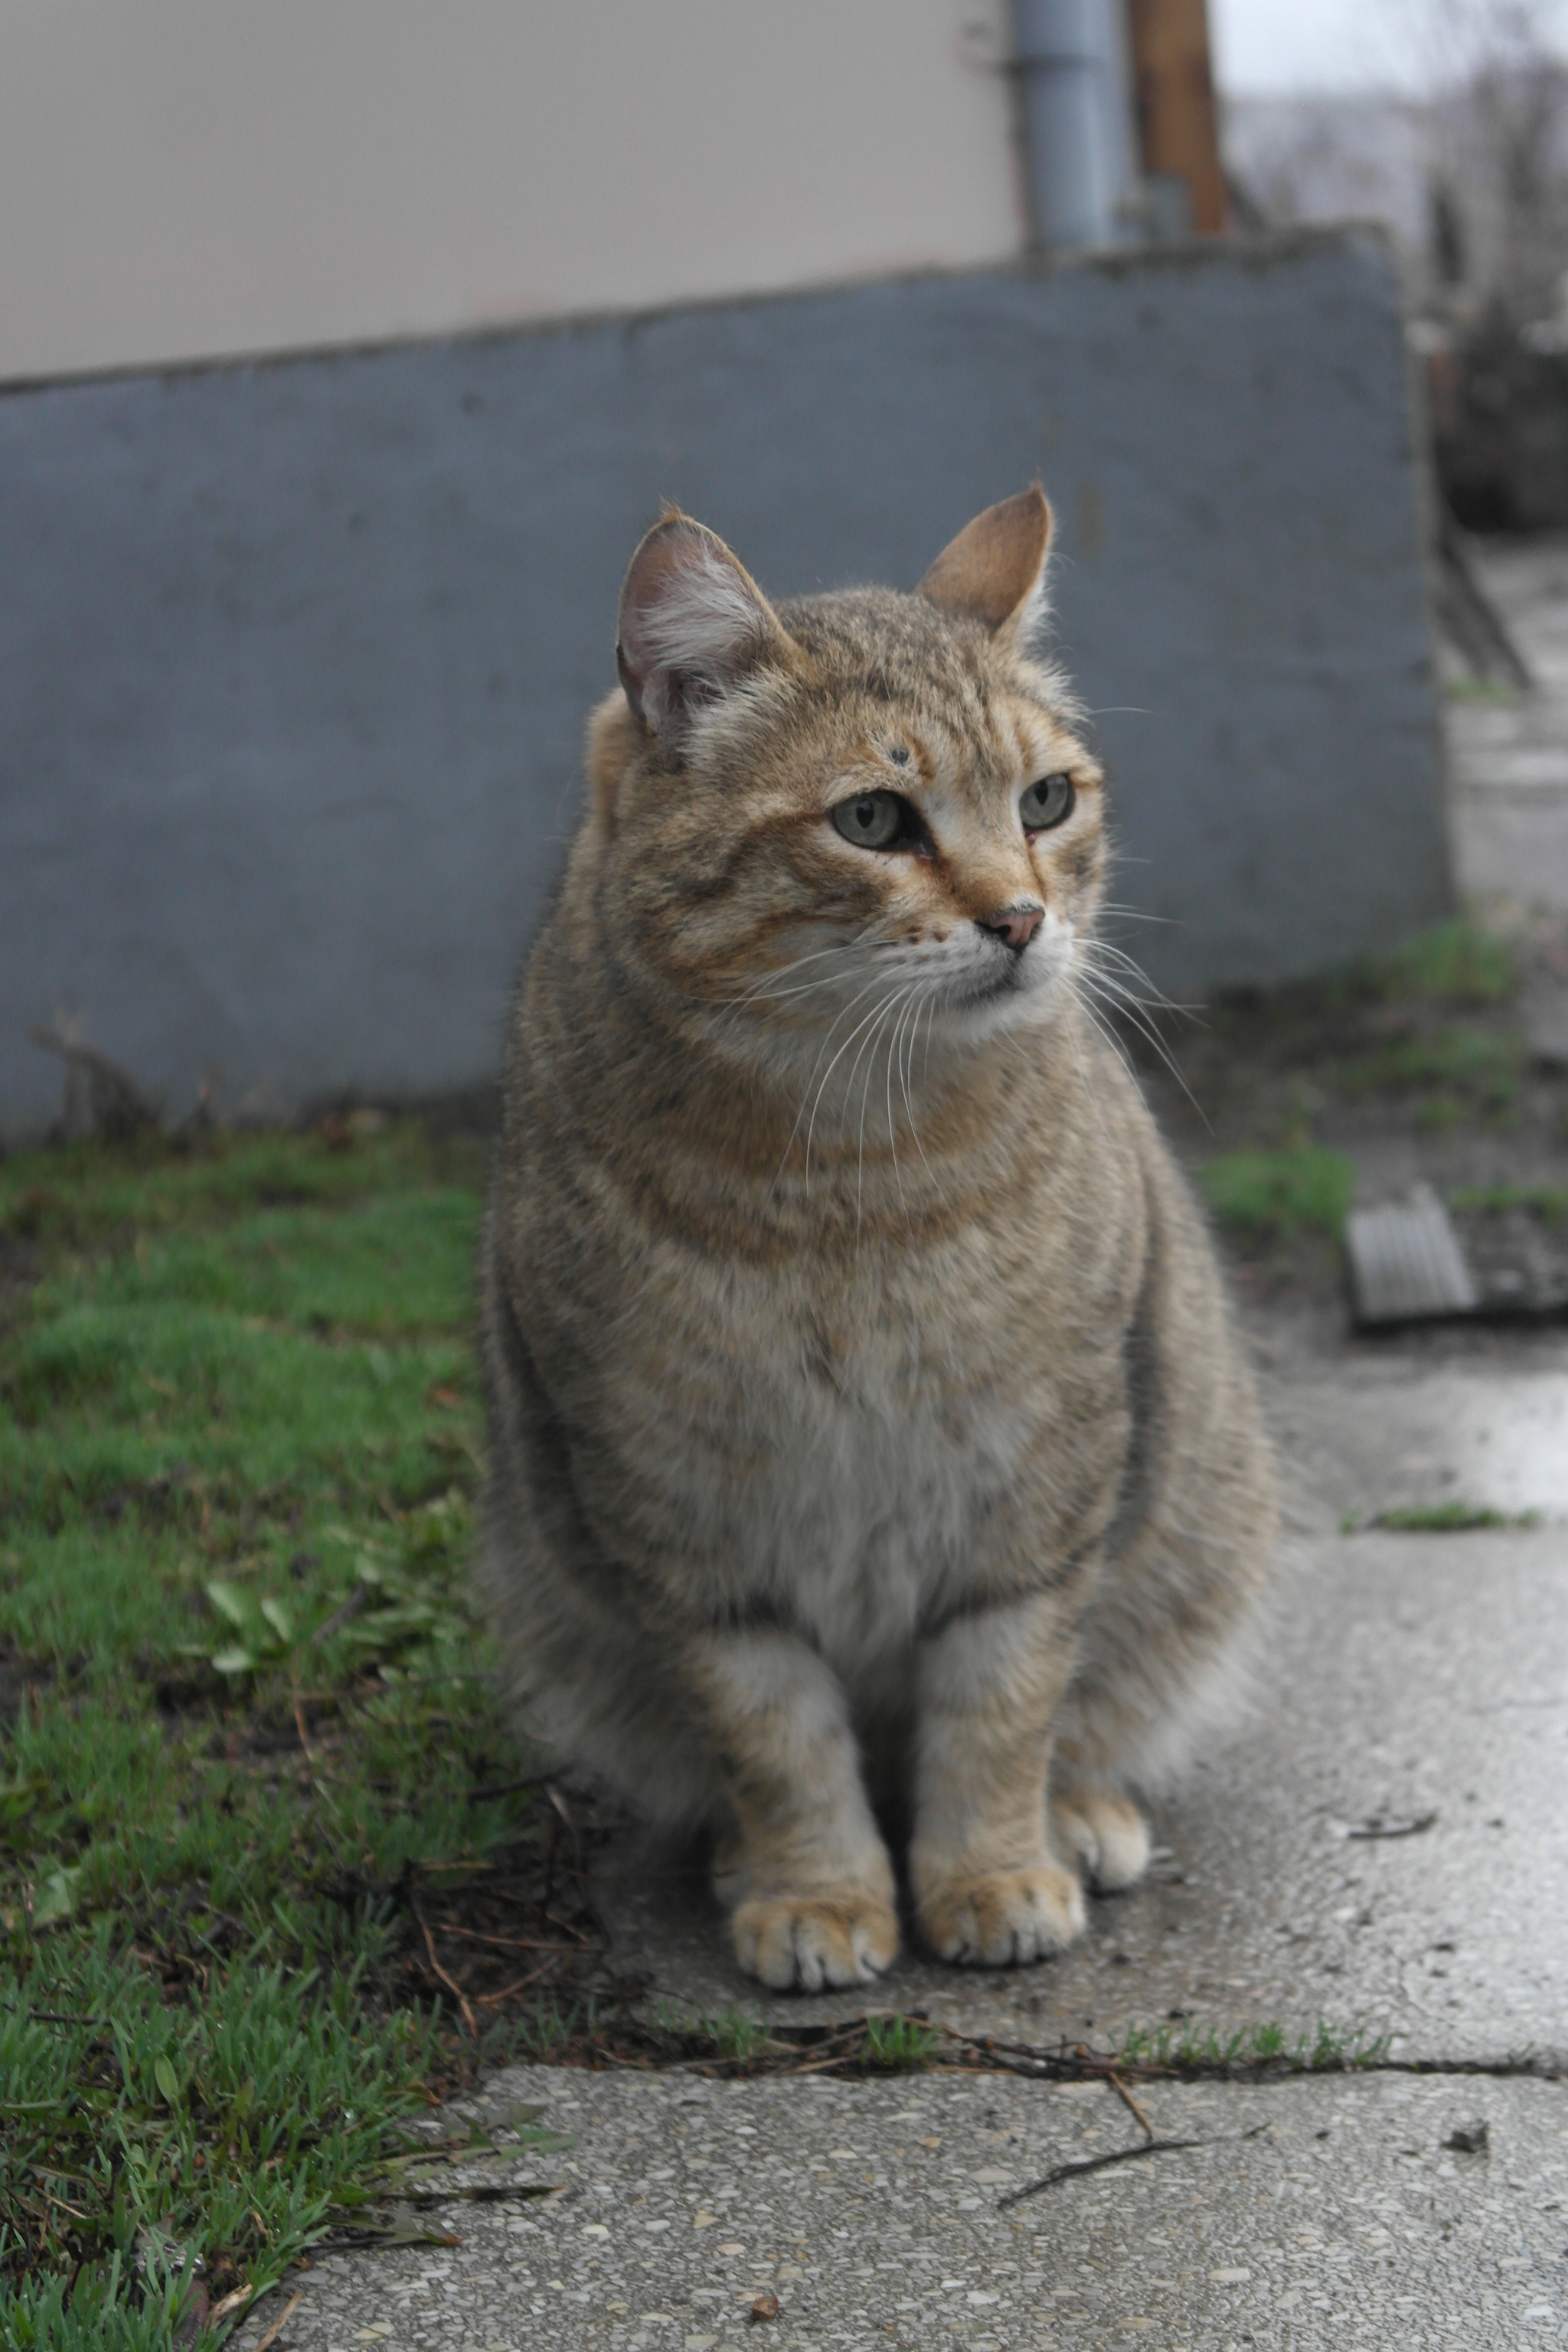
x=808, y=1877
x=1107, y=1832
x=988, y=1888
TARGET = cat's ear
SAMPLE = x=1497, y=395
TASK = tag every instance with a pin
x=693, y=625
x=994, y=571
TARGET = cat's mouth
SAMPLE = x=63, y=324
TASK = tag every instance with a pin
x=1009, y=974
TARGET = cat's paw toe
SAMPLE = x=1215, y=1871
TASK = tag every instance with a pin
x=1005, y=1917
x=804, y=1943
x=1107, y=1832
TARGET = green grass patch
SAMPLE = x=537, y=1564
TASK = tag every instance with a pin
x=1459, y=1068
x=1181, y=2048
x=1456, y=962
x=899, y=2045
x=1449, y=1518
x=259, y=1813
x=1279, y=1192
x=1548, y=1201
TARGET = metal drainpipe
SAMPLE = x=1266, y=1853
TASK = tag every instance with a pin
x=1073, y=89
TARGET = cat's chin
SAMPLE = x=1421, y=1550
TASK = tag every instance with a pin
x=1004, y=1005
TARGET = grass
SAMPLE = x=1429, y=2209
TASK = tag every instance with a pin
x=1179, y=2048
x=1277, y=1193
x=1457, y=1067
x=1548, y=1201
x=1449, y=1518
x=1456, y=962
x=255, y=1798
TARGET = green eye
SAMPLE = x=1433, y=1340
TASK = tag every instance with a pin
x=1047, y=802
x=873, y=820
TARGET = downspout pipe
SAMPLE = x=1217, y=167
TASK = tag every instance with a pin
x=1070, y=57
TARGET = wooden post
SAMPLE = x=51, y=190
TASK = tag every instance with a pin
x=1173, y=86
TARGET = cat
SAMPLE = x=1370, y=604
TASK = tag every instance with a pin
x=865, y=1417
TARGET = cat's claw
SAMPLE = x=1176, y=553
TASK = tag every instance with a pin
x=1107, y=1832
x=1004, y=1918
x=805, y=1943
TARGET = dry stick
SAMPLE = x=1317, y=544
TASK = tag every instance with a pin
x=505, y=1943
x=1122, y=2092
x=279, y=2325
x=1116, y=2156
x=450, y=1982
x=493, y=2000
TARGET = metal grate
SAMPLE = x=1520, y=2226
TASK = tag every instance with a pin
x=1405, y=1262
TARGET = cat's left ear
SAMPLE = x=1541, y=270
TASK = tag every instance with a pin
x=693, y=625
x=994, y=571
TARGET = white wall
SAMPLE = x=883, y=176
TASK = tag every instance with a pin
x=189, y=178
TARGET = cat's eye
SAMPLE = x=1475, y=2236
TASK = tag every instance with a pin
x=877, y=821
x=1045, y=803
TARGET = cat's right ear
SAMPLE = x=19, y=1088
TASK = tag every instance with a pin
x=693, y=625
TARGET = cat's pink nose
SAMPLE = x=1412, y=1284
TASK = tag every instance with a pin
x=1015, y=926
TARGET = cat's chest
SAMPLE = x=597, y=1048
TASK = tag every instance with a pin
x=872, y=1459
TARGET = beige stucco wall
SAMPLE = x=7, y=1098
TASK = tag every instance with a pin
x=182, y=178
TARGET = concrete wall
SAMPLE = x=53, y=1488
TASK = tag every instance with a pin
x=295, y=657
x=184, y=178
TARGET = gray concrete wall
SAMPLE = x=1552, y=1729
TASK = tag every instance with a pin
x=294, y=657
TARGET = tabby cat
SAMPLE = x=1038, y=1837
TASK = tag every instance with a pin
x=867, y=1433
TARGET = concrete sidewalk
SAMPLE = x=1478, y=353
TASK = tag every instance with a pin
x=1401, y=1679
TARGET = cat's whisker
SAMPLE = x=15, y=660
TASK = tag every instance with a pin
x=1133, y=914
x=800, y=1114
x=903, y=1048
x=1100, y=953
x=884, y=1013
x=925, y=1003
x=855, y=1033
x=1089, y=1086
x=1108, y=1037
x=765, y=987
x=892, y=1138
x=1117, y=999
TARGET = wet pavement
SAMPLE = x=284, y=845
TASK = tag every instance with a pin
x=1507, y=752
x=1324, y=2211
x=1400, y=1679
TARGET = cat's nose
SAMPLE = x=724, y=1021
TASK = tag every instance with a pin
x=1015, y=926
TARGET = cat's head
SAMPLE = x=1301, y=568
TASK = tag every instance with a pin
x=853, y=809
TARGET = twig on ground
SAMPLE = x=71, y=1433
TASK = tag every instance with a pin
x=494, y=1999
x=1118, y=2156
x=231, y=2304
x=508, y=1943
x=1125, y=2095
x=453, y=1987
x=279, y=2325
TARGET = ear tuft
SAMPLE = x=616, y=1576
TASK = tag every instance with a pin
x=994, y=571
x=692, y=625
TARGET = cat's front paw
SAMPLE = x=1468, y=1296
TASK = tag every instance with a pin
x=1003, y=1918
x=1108, y=1833
x=804, y=1942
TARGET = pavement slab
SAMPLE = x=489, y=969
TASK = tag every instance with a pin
x=1417, y=1681
x=1401, y=1679
x=1397, y=1678
x=873, y=2212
